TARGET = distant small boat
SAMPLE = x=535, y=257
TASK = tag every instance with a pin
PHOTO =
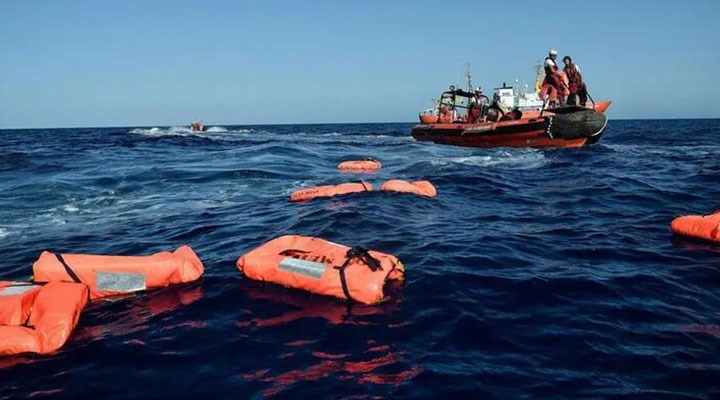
x=197, y=127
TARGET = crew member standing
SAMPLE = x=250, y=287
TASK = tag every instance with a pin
x=575, y=83
x=553, y=85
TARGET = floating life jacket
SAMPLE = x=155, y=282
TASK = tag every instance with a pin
x=359, y=165
x=38, y=319
x=420, y=188
x=703, y=227
x=111, y=275
x=330, y=190
x=322, y=267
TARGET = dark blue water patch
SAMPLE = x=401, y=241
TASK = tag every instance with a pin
x=533, y=273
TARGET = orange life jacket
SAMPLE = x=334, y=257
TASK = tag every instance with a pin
x=703, y=227
x=421, y=188
x=38, y=319
x=323, y=267
x=359, y=165
x=111, y=275
x=329, y=191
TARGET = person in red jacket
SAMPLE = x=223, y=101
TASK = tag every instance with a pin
x=445, y=116
x=553, y=86
x=575, y=83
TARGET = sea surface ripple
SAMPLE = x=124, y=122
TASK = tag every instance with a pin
x=533, y=274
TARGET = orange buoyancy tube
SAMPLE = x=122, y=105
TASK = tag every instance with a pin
x=360, y=165
x=323, y=267
x=38, y=319
x=329, y=191
x=111, y=275
x=420, y=188
x=704, y=227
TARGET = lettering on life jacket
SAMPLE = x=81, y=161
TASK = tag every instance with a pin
x=124, y=282
x=305, y=255
x=14, y=290
x=311, y=269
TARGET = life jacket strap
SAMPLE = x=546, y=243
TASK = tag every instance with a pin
x=69, y=270
x=362, y=255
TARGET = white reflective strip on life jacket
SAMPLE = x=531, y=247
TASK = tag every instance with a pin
x=303, y=267
x=125, y=282
x=14, y=290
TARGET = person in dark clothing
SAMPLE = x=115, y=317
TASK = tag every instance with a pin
x=577, y=87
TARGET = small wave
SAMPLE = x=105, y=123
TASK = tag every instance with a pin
x=155, y=131
x=213, y=132
x=506, y=159
x=4, y=232
x=216, y=129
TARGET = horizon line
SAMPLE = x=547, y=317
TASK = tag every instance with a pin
x=308, y=123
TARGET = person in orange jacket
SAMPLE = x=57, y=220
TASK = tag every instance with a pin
x=445, y=116
x=553, y=86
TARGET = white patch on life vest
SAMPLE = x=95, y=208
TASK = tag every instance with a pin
x=303, y=267
x=17, y=289
x=124, y=282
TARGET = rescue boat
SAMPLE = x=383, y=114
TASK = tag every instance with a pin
x=567, y=126
x=529, y=102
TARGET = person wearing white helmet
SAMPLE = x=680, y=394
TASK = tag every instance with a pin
x=553, y=86
x=475, y=106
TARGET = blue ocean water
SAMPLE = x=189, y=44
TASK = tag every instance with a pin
x=533, y=274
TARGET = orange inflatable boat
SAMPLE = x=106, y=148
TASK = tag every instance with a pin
x=38, y=319
x=323, y=267
x=111, y=275
x=365, y=165
x=420, y=188
x=329, y=191
x=702, y=227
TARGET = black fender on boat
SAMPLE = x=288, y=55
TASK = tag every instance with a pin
x=576, y=123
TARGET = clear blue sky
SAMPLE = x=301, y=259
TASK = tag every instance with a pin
x=134, y=63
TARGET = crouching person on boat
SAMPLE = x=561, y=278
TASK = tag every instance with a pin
x=554, y=86
x=576, y=86
x=445, y=116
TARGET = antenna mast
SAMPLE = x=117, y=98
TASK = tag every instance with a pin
x=539, y=75
x=468, y=75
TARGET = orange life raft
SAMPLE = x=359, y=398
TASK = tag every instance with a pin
x=38, y=319
x=329, y=191
x=359, y=165
x=323, y=267
x=704, y=227
x=111, y=275
x=420, y=188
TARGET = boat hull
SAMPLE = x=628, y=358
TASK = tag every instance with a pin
x=550, y=131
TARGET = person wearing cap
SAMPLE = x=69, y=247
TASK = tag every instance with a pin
x=553, y=86
x=576, y=86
